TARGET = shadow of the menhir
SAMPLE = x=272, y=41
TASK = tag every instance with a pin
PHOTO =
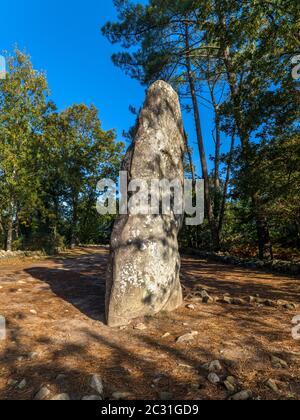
x=84, y=290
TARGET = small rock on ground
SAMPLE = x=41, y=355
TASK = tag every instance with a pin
x=92, y=398
x=120, y=395
x=215, y=367
x=206, y=298
x=43, y=393
x=32, y=355
x=242, y=396
x=187, y=337
x=61, y=397
x=140, y=327
x=12, y=382
x=22, y=384
x=279, y=363
x=97, y=385
x=272, y=385
x=227, y=299
x=230, y=384
x=214, y=378
x=165, y=396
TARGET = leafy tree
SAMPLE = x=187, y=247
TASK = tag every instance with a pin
x=23, y=105
x=245, y=46
x=50, y=164
x=165, y=38
x=89, y=154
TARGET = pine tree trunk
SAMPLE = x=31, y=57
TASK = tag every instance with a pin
x=298, y=234
x=208, y=202
x=263, y=234
x=226, y=184
x=264, y=241
x=10, y=226
x=192, y=167
x=9, y=238
x=74, y=223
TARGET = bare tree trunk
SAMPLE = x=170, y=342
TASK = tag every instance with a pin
x=9, y=238
x=217, y=139
x=74, y=223
x=209, y=207
x=298, y=233
x=10, y=226
x=264, y=241
x=191, y=164
x=217, y=153
x=226, y=184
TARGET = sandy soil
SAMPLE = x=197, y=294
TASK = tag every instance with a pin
x=54, y=312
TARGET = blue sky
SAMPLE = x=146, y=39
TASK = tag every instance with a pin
x=63, y=39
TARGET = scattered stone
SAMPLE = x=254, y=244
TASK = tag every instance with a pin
x=282, y=302
x=215, y=367
x=120, y=395
x=20, y=358
x=33, y=311
x=214, y=378
x=279, y=363
x=157, y=380
x=166, y=396
x=97, y=384
x=43, y=393
x=242, y=396
x=187, y=337
x=290, y=306
x=227, y=299
x=184, y=366
x=140, y=327
x=206, y=298
x=191, y=307
x=32, y=355
x=238, y=301
x=270, y=303
x=22, y=384
x=61, y=397
x=166, y=335
x=92, y=398
x=12, y=382
x=230, y=384
x=272, y=385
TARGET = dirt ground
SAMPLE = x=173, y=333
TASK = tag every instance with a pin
x=54, y=309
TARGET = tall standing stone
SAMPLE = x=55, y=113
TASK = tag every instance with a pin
x=143, y=273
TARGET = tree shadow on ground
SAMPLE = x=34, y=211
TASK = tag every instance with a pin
x=133, y=361
x=81, y=282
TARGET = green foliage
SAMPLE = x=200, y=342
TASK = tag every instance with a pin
x=50, y=165
x=244, y=49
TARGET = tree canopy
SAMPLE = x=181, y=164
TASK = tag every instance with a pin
x=50, y=164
